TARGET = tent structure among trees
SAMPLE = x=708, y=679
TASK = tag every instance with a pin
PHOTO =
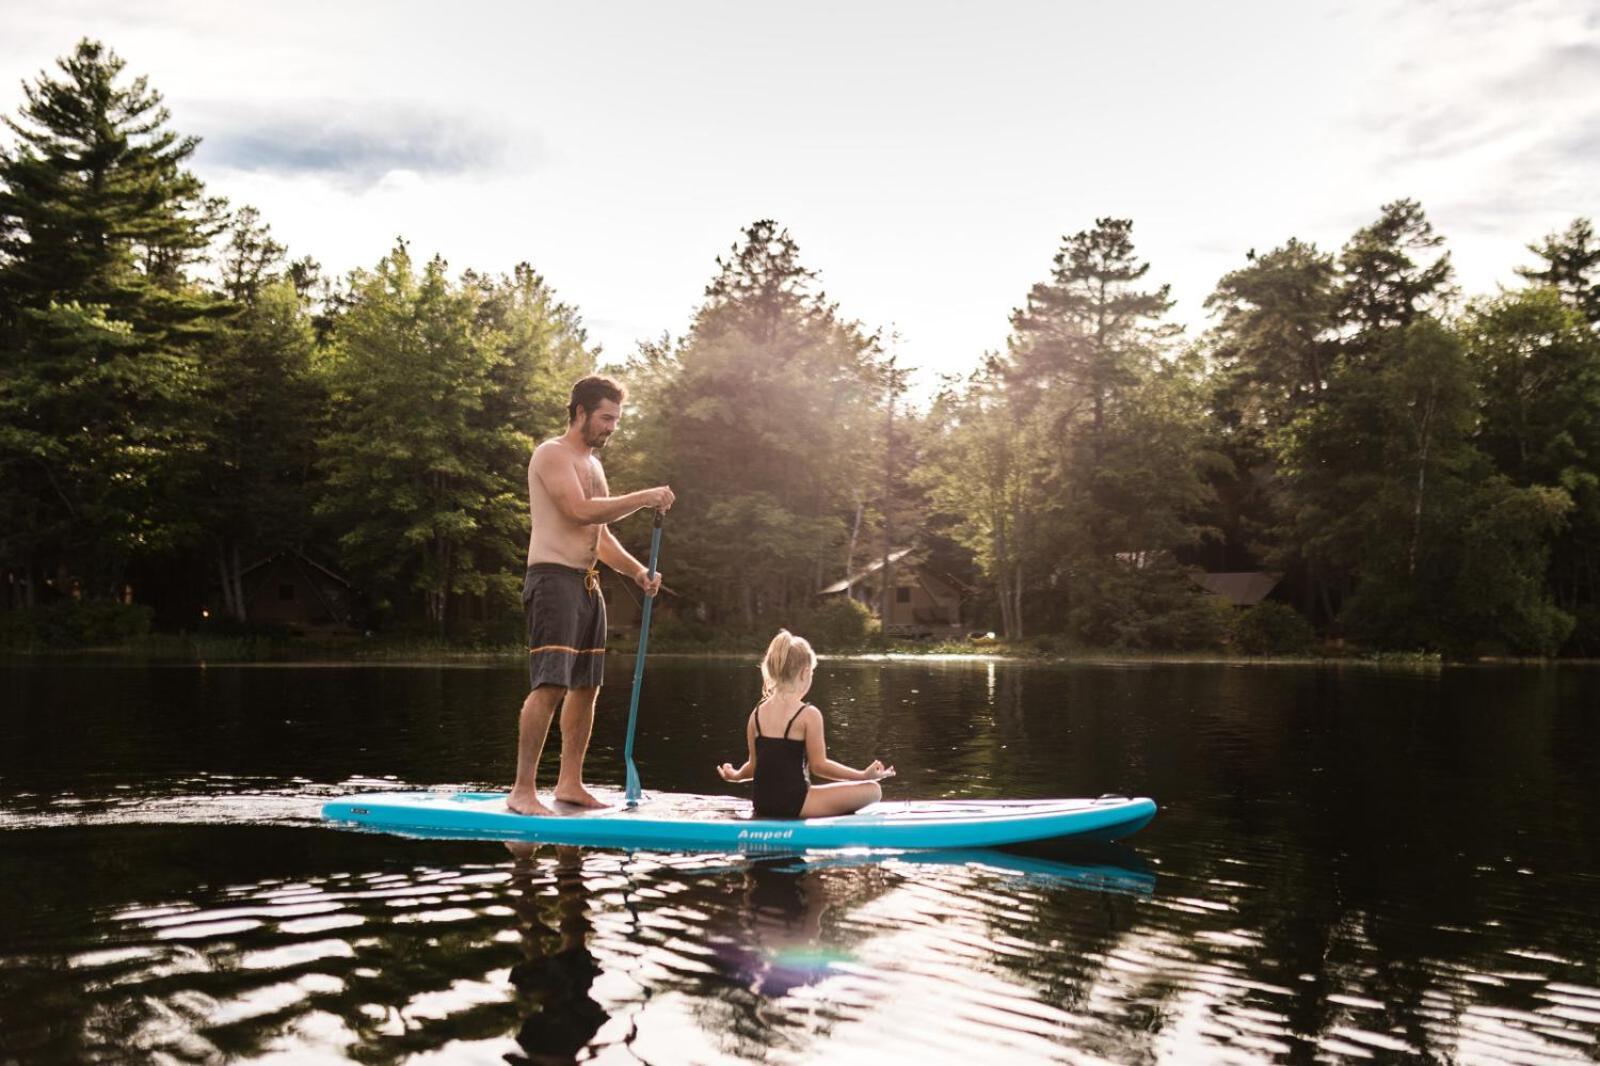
x=922, y=601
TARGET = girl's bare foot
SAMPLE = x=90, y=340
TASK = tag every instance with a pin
x=578, y=796
x=525, y=803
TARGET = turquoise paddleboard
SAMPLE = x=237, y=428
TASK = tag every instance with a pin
x=671, y=821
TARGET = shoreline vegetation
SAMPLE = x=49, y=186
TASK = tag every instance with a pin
x=202, y=649
x=200, y=431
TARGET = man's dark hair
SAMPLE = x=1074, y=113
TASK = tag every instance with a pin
x=589, y=391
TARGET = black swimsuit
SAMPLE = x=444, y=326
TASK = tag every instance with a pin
x=781, y=779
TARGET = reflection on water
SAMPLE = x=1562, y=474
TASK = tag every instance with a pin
x=1355, y=867
x=556, y=978
x=554, y=953
x=568, y=951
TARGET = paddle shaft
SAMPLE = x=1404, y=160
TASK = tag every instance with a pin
x=634, y=791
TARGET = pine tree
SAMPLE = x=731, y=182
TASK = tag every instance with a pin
x=1090, y=331
x=100, y=324
x=95, y=205
x=1273, y=351
x=1091, y=366
x=266, y=415
x=767, y=418
x=250, y=258
x=1571, y=267
x=1273, y=346
x=1391, y=272
x=761, y=291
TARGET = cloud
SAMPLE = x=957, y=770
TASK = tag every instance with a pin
x=352, y=143
x=1448, y=116
x=1489, y=113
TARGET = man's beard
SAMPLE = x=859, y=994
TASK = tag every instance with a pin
x=596, y=440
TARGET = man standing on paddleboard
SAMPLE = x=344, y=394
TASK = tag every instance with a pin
x=570, y=506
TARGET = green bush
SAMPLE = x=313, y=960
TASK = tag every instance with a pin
x=1271, y=628
x=1195, y=622
x=74, y=624
x=16, y=629
x=669, y=629
x=1155, y=609
x=1584, y=639
x=835, y=624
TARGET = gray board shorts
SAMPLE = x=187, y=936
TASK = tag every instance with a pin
x=566, y=615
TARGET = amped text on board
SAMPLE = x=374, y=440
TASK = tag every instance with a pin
x=765, y=834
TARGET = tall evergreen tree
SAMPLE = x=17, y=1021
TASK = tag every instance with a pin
x=100, y=324
x=1273, y=351
x=95, y=205
x=1391, y=272
x=1092, y=366
x=1273, y=347
x=762, y=292
x=250, y=257
x=767, y=420
x=1571, y=266
x=1090, y=331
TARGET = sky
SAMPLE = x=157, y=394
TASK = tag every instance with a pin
x=928, y=157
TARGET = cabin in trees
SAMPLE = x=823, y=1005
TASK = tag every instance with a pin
x=923, y=602
x=292, y=590
x=1241, y=588
x=625, y=603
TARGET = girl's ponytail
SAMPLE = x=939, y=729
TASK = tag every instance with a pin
x=787, y=658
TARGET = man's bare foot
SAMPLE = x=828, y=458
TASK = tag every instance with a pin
x=522, y=849
x=578, y=796
x=525, y=803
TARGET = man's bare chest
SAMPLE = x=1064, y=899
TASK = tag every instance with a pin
x=591, y=477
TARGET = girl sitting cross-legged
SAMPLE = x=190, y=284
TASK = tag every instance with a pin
x=784, y=736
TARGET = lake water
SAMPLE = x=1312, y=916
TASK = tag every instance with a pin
x=1349, y=865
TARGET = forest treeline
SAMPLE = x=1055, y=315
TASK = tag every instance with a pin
x=180, y=397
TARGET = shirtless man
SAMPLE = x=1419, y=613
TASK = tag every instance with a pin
x=571, y=505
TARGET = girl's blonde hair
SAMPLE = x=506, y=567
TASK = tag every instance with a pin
x=787, y=658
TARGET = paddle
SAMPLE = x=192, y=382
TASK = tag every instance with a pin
x=634, y=791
